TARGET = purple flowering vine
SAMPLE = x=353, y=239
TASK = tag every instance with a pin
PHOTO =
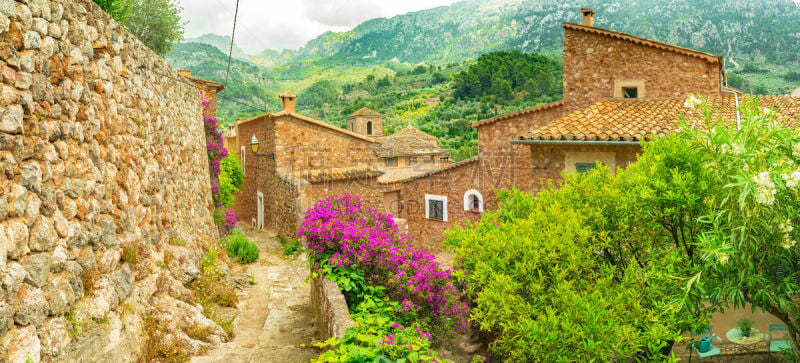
x=215, y=148
x=343, y=230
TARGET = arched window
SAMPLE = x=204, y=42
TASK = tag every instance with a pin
x=473, y=201
x=369, y=127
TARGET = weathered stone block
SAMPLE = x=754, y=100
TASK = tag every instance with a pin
x=17, y=233
x=22, y=345
x=43, y=235
x=31, y=306
x=59, y=295
x=55, y=337
x=38, y=268
x=12, y=120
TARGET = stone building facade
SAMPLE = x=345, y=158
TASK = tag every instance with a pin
x=102, y=148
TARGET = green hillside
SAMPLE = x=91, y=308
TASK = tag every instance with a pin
x=375, y=64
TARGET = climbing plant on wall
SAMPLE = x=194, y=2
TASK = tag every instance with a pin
x=225, y=177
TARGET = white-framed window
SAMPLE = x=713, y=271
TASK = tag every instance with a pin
x=436, y=207
x=241, y=158
x=473, y=201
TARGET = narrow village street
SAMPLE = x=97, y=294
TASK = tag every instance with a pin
x=275, y=315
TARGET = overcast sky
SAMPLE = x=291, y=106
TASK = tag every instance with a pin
x=279, y=24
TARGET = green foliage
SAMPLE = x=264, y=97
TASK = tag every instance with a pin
x=238, y=246
x=118, y=9
x=157, y=23
x=500, y=74
x=564, y=277
x=381, y=332
x=747, y=240
x=792, y=76
x=230, y=179
x=318, y=94
x=292, y=248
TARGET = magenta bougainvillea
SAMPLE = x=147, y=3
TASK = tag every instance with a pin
x=216, y=150
x=345, y=232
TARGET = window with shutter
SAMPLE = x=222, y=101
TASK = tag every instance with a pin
x=584, y=167
x=436, y=207
x=436, y=210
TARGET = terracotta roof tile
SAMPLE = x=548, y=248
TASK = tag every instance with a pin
x=408, y=142
x=365, y=112
x=638, y=119
x=335, y=174
x=434, y=172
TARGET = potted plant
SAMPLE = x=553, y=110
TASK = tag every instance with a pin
x=745, y=325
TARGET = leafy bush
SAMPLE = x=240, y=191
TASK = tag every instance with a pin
x=238, y=246
x=384, y=329
x=533, y=271
x=292, y=248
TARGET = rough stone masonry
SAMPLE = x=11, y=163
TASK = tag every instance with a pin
x=101, y=147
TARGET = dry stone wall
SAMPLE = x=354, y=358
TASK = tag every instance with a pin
x=101, y=147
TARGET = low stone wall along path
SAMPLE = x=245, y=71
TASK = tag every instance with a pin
x=275, y=315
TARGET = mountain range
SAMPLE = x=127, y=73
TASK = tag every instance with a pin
x=759, y=40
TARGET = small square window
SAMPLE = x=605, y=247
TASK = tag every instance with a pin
x=390, y=162
x=584, y=167
x=630, y=92
x=436, y=207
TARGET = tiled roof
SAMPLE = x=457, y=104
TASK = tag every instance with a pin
x=652, y=43
x=413, y=131
x=336, y=174
x=504, y=116
x=394, y=175
x=435, y=171
x=365, y=112
x=408, y=143
x=636, y=119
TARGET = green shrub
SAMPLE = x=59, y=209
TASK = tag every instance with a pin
x=292, y=248
x=240, y=247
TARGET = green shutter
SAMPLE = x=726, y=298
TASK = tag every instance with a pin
x=584, y=167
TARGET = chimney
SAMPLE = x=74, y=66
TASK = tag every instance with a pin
x=287, y=101
x=588, y=17
x=185, y=72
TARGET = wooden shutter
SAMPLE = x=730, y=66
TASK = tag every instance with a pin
x=435, y=209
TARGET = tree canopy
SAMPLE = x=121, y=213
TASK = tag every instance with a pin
x=157, y=23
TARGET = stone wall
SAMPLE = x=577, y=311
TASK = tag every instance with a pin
x=301, y=145
x=101, y=146
x=330, y=308
x=504, y=164
x=593, y=62
x=452, y=182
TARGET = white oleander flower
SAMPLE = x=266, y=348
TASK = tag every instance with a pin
x=724, y=258
x=789, y=244
x=692, y=102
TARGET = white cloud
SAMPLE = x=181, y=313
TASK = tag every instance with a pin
x=288, y=24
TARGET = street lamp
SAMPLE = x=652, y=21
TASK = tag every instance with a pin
x=254, y=148
x=254, y=144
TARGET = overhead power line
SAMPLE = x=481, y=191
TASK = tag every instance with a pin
x=230, y=50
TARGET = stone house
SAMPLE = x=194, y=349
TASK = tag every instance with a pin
x=300, y=161
x=618, y=90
